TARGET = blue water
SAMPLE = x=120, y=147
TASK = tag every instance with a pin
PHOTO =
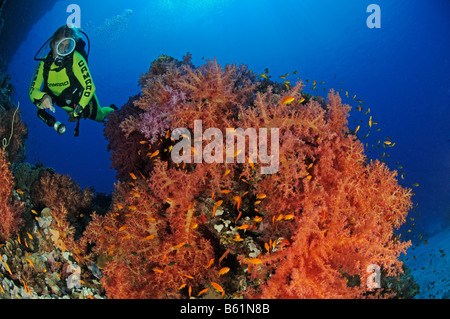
x=401, y=71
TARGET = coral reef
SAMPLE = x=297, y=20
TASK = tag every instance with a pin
x=42, y=260
x=310, y=228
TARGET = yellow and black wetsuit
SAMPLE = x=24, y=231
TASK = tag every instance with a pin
x=68, y=85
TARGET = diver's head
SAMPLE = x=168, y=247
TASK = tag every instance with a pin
x=64, y=41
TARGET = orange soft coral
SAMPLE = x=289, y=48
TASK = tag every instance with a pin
x=10, y=210
x=309, y=230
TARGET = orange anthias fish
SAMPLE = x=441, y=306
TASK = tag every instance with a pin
x=261, y=196
x=254, y=261
x=223, y=271
x=288, y=99
x=210, y=263
x=202, y=292
x=218, y=288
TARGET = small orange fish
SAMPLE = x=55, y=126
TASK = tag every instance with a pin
x=188, y=276
x=225, y=191
x=224, y=255
x=263, y=75
x=202, y=292
x=19, y=191
x=210, y=263
x=34, y=212
x=179, y=245
x=223, y=271
x=158, y=270
x=238, y=238
x=245, y=226
x=257, y=219
x=123, y=228
x=288, y=217
x=261, y=196
x=29, y=261
x=287, y=100
x=150, y=237
x=190, y=291
x=226, y=172
x=217, y=286
x=154, y=154
x=7, y=268
x=182, y=286
x=109, y=228
x=132, y=207
x=143, y=142
x=237, y=200
x=239, y=216
x=133, y=176
x=253, y=261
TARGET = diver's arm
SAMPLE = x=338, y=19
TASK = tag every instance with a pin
x=39, y=98
x=82, y=73
x=36, y=95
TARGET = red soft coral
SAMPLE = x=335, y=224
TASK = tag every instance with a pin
x=308, y=230
x=10, y=210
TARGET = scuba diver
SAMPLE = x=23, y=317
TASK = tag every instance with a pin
x=66, y=80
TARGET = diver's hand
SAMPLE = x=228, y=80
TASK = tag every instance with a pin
x=78, y=110
x=47, y=103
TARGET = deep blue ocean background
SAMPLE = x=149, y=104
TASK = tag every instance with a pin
x=401, y=71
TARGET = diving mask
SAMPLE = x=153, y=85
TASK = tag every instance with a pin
x=65, y=46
